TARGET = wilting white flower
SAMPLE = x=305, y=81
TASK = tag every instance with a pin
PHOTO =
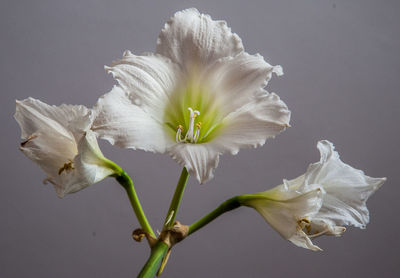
x=329, y=195
x=199, y=96
x=58, y=139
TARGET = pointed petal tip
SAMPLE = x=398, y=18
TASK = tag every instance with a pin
x=317, y=249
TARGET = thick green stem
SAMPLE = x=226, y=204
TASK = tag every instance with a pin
x=127, y=183
x=226, y=206
x=158, y=252
x=176, y=200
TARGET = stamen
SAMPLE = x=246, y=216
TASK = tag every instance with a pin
x=305, y=225
x=189, y=137
x=318, y=233
x=178, y=134
x=189, y=133
x=197, y=133
x=30, y=138
x=66, y=167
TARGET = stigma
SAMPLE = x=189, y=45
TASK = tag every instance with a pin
x=192, y=135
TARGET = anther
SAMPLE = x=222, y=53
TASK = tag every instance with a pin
x=67, y=167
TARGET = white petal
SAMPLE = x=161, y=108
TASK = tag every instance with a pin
x=347, y=188
x=90, y=166
x=302, y=240
x=237, y=79
x=50, y=151
x=283, y=211
x=44, y=129
x=51, y=135
x=92, y=159
x=33, y=115
x=200, y=160
x=147, y=80
x=194, y=40
x=265, y=116
x=125, y=124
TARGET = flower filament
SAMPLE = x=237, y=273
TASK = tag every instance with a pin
x=314, y=230
x=189, y=137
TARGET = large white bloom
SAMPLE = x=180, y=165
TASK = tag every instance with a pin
x=59, y=140
x=199, y=96
x=329, y=195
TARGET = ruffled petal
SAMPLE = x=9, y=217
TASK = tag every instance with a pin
x=235, y=80
x=46, y=139
x=265, y=116
x=33, y=115
x=148, y=80
x=347, y=188
x=58, y=140
x=123, y=123
x=194, y=40
x=200, y=160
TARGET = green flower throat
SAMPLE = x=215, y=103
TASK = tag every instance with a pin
x=193, y=115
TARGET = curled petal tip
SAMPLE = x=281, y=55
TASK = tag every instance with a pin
x=277, y=70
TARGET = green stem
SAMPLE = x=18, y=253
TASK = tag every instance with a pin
x=153, y=263
x=226, y=206
x=127, y=183
x=176, y=199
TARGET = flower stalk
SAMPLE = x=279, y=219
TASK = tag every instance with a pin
x=157, y=254
x=176, y=199
x=127, y=183
x=226, y=206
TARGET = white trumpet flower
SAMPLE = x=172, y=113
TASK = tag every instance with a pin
x=330, y=195
x=199, y=96
x=59, y=140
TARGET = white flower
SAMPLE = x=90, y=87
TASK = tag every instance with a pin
x=58, y=139
x=199, y=96
x=329, y=195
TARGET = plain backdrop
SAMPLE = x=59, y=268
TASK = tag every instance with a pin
x=341, y=63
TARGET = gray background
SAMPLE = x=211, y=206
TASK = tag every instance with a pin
x=341, y=63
